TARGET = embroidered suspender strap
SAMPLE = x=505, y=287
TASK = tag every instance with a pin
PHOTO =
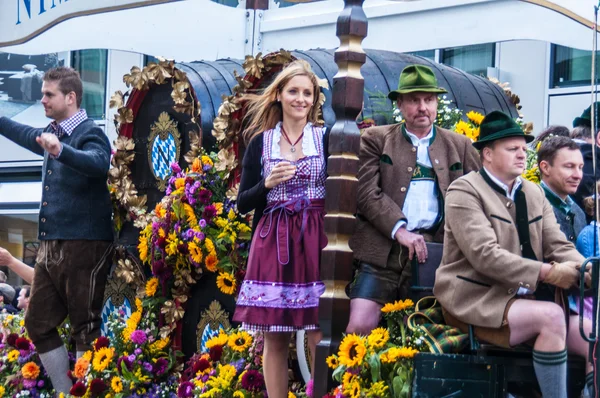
x=522, y=222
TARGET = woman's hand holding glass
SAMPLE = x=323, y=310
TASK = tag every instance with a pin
x=281, y=172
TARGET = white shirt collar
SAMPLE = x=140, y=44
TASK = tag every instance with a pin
x=516, y=185
x=416, y=140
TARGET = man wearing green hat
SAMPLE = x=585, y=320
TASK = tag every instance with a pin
x=506, y=259
x=404, y=172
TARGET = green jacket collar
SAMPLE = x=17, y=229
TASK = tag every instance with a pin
x=556, y=201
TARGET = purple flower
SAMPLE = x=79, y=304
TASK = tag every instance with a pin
x=137, y=351
x=253, y=381
x=239, y=365
x=185, y=390
x=189, y=234
x=27, y=383
x=148, y=367
x=40, y=383
x=175, y=167
x=160, y=367
x=139, y=337
x=131, y=358
x=202, y=223
x=200, y=235
x=309, y=388
x=204, y=196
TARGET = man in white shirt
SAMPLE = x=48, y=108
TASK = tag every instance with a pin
x=405, y=170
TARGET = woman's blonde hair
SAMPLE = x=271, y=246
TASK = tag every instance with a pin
x=264, y=111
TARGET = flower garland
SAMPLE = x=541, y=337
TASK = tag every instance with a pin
x=195, y=229
x=122, y=188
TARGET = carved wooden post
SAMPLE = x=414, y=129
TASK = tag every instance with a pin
x=340, y=203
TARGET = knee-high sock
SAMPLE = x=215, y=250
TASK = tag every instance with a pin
x=589, y=385
x=56, y=363
x=551, y=372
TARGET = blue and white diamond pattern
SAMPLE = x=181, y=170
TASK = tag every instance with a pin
x=208, y=334
x=164, y=153
x=109, y=309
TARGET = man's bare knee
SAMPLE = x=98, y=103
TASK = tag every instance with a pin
x=364, y=316
x=552, y=320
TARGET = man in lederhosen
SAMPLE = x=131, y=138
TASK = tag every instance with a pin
x=405, y=170
x=506, y=261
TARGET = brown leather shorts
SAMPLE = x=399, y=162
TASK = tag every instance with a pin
x=497, y=336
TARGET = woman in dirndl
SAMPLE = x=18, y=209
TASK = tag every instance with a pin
x=283, y=180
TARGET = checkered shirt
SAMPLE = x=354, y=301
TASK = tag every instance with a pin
x=309, y=180
x=67, y=126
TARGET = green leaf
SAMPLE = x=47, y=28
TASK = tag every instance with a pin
x=375, y=365
x=338, y=373
x=398, y=386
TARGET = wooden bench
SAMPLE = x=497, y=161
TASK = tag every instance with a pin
x=482, y=370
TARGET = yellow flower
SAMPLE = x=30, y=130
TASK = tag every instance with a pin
x=241, y=376
x=396, y=353
x=159, y=345
x=135, y=318
x=207, y=160
x=219, y=207
x=231, y=215
x=352, y=350
x=399, y=305
x=191, y=216
x=180, y=183
x=87, y=355
x=239, y=341
x=354, y=390
x=347, y=380
x=475, y=117
x=195, y=252
x=160, y=212
x=239, y=394
x=332, y=362
x=102, y=358
x=143, y=248
x=209, y=245
x=221, y=340
x=378, y=338
x=3, y=391
x=30, y=370
x=13, y=356
x=290, y=395
x=226, y=372
x=211, y=262
x=377, y=390
x=138, y=306
x=151, y=287
x=226, y=283
x=116, y=384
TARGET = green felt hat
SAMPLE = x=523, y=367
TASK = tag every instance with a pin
x=497, y=125
x=585, y=119
x=416, y=78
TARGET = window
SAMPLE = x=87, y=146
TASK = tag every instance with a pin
x=572, y=67
x=472, y=59
x=150, y=58
x=92, y=65
x=21, y=84
x=429, y=54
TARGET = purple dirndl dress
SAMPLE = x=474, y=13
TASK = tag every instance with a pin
x=282, y=286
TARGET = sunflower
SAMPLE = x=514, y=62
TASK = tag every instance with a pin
x=2, y=391
x=210, y=246
x=475, y=117
x=13, y=356
x=352, y=350
x=191, y=216
x=399, y=305
x=219, y=207
x=226, y=283
x=143, y=248
x=347, y=380
x=239, y=341
x=151, y=287
x=378, y=338
x=238, y=394
x=81, y=367
x=116, y=384
x=355, y=390
x=219, y=340
x=30, y=371
x=332, y=362
x=159, y=345
x=195, y=252
x=102, y=358
x=211, y=262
